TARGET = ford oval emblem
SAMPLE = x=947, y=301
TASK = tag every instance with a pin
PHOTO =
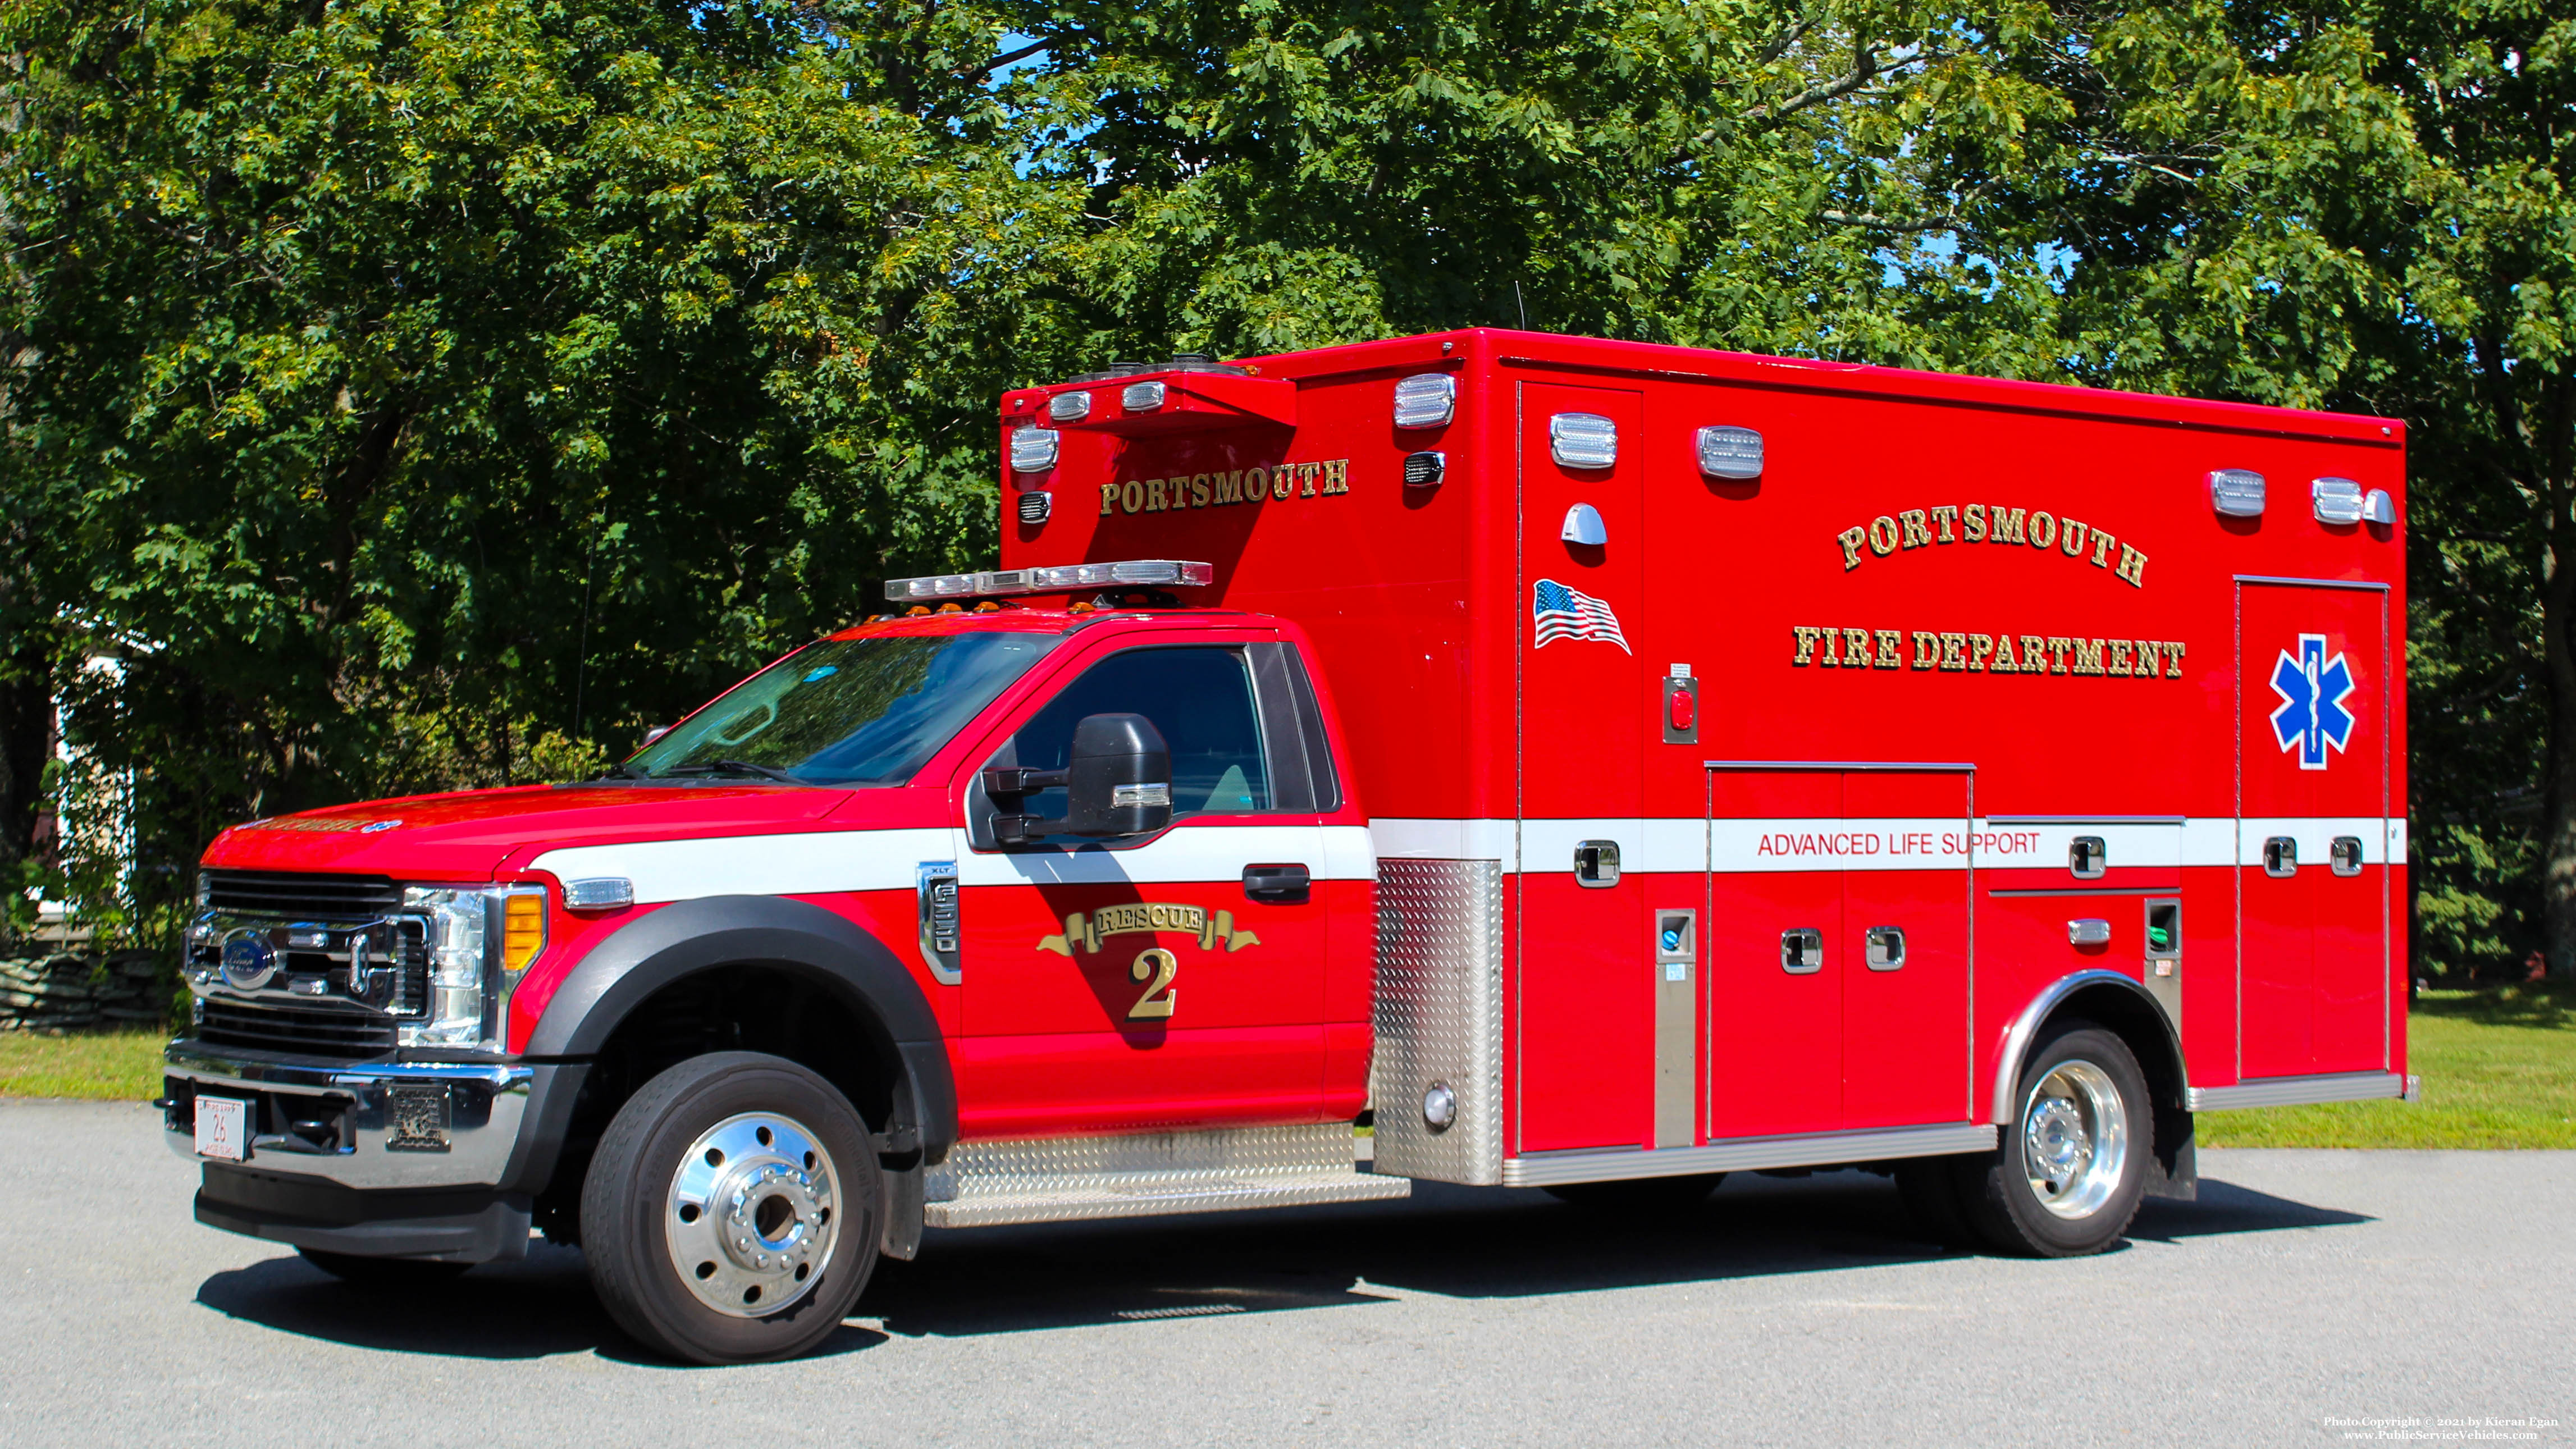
x=377, y=827
x=248, y=963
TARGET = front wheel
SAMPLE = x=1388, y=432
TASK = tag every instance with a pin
x=2067, y=1178
x=732, y=1211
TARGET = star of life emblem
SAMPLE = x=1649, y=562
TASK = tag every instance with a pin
x=2311, y=715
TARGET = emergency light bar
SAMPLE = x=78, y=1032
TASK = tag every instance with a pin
x=1055, y=579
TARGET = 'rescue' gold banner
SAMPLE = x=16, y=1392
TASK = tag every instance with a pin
x=1213, y=929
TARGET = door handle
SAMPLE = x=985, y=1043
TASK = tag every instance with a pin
x=1286, y=884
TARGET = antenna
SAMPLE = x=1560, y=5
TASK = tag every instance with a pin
x=1520, y=303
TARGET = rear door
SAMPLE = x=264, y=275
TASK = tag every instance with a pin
x=2313, y=773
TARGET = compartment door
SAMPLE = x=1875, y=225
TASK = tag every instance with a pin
x=2313, y=774
x=1585, y=965
x=1905, y=993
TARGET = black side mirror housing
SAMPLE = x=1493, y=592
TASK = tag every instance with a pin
x=1117, y=781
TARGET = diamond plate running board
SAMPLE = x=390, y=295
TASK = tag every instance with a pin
x=1068, y=1179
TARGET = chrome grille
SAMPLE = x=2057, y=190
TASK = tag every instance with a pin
x=301, y=896
x=313, y=1031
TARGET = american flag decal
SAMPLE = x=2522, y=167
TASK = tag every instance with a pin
x=1564, y=613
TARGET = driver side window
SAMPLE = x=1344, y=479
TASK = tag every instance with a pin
x=1199, y=697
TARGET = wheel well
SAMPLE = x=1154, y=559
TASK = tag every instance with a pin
x=744, y=1006
x=2141, y=1026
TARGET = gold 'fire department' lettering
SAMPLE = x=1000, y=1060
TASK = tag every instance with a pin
x=1959, y=652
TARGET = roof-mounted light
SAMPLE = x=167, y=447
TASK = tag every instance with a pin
x=1069, y=407
x=1141, y=397
x=2236, y=492
x=1425, y=400
x=992, y=583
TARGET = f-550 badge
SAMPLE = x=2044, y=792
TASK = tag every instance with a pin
x=1153, y=966
x=2313, y=689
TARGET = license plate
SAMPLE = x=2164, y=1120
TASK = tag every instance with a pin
x=223, y=1128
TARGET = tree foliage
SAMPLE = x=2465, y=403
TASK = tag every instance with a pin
x=442, y=389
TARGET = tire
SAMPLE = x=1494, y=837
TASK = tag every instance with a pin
x=382, y=1273
x=732, y=1211
x=2072, y=1166
x=1640, y=1195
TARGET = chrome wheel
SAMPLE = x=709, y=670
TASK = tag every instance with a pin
x=2075, y=1139
x=749, y=1219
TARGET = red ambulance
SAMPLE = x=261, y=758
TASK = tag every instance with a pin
x=1488, y=758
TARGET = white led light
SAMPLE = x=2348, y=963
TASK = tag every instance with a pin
x=1730, y=452
x=2338, y=500
x=1583, y=440
x=2236, y=492
x=1033, y=450
x=1069, y=407
x=1176, y=572
x=1426, y=400
x=2378, y=507
x=1141, y=397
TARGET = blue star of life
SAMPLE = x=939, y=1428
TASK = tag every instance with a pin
x=2311, y=715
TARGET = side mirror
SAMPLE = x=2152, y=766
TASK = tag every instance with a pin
x=1117, y=781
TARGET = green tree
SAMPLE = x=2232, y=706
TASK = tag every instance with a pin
x=439, y=386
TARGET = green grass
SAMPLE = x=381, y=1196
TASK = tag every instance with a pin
x=115, y=1066
x=2499, y=1070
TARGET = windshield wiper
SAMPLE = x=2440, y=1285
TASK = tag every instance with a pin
x=736, y=767
x=627, y=771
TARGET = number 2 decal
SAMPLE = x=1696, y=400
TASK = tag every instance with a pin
x=1161, y=966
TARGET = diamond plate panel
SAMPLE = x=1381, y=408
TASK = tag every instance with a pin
x=1440, y=1017
x=1058, y=1179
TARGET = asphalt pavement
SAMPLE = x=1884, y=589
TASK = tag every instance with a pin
x=2306, y=1298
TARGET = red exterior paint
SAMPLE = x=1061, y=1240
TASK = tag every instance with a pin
x=1830, y=614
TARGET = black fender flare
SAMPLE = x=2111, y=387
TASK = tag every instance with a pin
x=832, y=951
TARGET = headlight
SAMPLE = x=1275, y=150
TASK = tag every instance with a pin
x=481, y=941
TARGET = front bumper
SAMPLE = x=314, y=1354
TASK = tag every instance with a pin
x=396, y=1125
x=401, y=1159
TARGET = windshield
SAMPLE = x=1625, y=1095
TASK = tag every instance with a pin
x=843, y=712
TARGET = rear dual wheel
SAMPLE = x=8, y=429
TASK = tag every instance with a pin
x=2072, y=1167
x=732, y=1211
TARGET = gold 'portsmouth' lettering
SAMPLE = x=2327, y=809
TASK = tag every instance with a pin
x=1234, y=487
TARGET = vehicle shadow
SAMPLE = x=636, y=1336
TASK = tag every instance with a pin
x=530, y=1309
x=1447, y=1241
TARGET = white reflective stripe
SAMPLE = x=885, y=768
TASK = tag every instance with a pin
x=808, y=862
x=1669, y=844
x=2315, y=835
x=818, y=862
x=1188, y=852
x=1445, y=839
x=2209, y=841
x=1348, y=854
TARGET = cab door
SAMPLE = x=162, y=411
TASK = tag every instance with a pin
x=1170, y=982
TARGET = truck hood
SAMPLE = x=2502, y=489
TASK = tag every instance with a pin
x=465, y=836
